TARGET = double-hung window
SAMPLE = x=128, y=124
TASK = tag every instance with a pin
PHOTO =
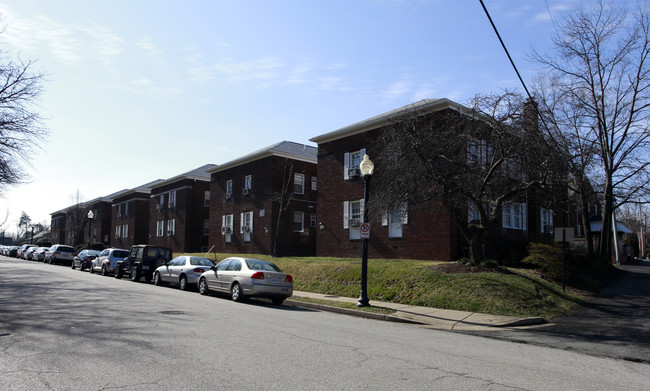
x=299, y=183
x=172, y=199
x=118, y=231
x=246, y=227
x=351, y=161
x=206, y=199
x=171, y=227
x=546, y=219
x=298, y=221
x=125, y=231
x=513, y=216
x=228, y=188
x=160, y=228
x=248, y=184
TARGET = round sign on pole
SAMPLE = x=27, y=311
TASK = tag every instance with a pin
x=365, y=231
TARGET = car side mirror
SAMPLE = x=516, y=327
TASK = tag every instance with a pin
x=213, y=268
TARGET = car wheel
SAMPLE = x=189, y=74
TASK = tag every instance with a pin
x=91, y=269
x=203, y=286
x=73, y=266
x=81, y=267
x=156, y=279
x=277, y=300
x=236, y=293
x=183, y=283
x=135, y=274
x=118, y=271
x=104, y=273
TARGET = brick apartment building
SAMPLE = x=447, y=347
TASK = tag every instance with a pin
x=429, y=232
x=265, y=202
x=179, y=211
x=130, y=216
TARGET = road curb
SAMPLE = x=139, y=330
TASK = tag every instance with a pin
x=350, y=311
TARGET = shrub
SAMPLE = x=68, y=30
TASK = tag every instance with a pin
x=545, y=258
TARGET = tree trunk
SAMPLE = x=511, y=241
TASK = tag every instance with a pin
x=606, y=224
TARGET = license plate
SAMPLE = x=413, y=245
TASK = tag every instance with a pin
x=275, y=280
x=145, y=267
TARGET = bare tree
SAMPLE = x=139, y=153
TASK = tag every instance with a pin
x=283, y=199
x=471, y=160
x=600, y=73
x=20, y=124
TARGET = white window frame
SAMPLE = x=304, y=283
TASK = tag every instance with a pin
x=349, y=163
x=246, y=219
x=125, y=231
x=162, y=201
x=172, y=199
x=160, y=228
x=248, y=182
x=314, y=183
x=171, y=227
x=513, y=216
x=298, y=183
x=298, y=221
x=228, y=188
x=118, y=231
x=546, y=220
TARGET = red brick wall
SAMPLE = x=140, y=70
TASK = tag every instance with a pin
x=267, y=178
x=429, y=234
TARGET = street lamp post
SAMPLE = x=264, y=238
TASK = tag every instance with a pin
x=367, y=168
x=90, y=216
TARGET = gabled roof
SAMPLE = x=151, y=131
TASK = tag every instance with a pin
x=287, y=149
x=423, y=106
x=200, y=174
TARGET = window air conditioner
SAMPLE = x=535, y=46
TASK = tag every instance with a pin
x=352, y=172
x=228, y=195
x=247, y=228
x=245, y=191
x=225, y=230
x=356, y=222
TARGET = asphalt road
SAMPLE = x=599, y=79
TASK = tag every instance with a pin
x=614, y=323
x=62, y=329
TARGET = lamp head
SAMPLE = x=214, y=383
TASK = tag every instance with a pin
x=366, y=166
x=90, y=214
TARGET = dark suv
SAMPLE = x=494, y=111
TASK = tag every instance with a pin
x=142, y=261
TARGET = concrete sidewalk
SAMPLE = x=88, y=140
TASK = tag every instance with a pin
x=426, y=316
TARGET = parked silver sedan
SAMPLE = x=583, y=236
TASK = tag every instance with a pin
x=244, y=277
x=184, y=270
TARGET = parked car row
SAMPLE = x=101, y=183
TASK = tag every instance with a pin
x=57, y=254
x=239, y=277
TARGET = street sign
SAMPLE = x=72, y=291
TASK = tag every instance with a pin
x=365, y=231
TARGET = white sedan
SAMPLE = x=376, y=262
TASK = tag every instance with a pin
x=184, y=271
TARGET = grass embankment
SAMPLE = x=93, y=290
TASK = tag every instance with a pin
x=509, y=292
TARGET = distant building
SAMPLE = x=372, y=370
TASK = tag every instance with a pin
x=265, y=202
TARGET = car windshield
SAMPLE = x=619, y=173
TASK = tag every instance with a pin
x=197, y=261
x=254, y=264
x=120, y=253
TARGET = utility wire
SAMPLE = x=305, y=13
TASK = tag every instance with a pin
x=506, y=50
x=541, y=117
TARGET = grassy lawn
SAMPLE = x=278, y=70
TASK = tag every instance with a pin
x=515, y=292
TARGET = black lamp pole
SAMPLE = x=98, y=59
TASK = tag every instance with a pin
x=90, y=216
x=367, y=168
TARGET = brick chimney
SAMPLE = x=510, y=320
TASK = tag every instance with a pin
x=531, y=118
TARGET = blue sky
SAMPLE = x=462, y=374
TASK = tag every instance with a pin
x=148, y=89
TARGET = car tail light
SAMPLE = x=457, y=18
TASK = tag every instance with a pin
x=288, y=278
x=257, y=276
x=198, y=270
